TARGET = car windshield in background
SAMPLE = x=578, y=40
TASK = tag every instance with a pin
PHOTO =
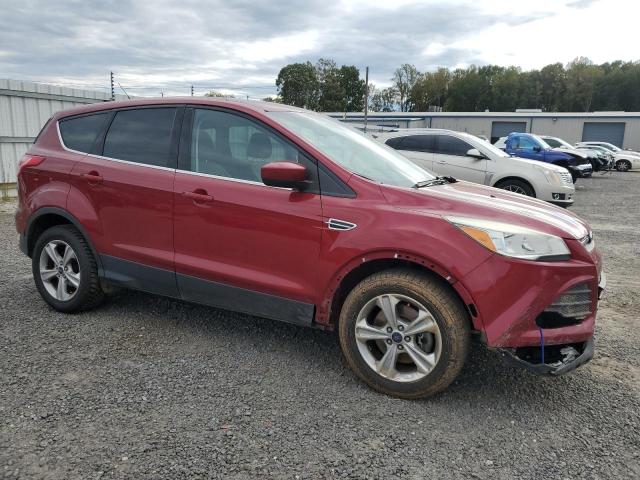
x=350, y=149
x=493, y=149
x=543, y=144
x=558, y=142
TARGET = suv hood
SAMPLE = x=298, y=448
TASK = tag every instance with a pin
x=464, y=199
x=572, y=151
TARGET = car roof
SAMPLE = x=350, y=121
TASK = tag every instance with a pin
x=404, y=132
x=236, y=104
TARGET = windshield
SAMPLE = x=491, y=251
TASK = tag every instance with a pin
x=543, y=144
x=352, y=150
x=558, y=142
x=493, y=150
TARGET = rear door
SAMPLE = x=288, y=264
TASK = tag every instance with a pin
x=417, y=148
x=129, y=186
x=450, y=158
x=240, y=244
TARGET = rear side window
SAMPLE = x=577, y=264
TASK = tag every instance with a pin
x=417, y=143
x=81, y=133
x=141, y=136
x=448, y=145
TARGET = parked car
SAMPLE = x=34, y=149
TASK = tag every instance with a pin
x=624, y=160
x=606, y=154
x=467, y=157
x=287, y=214
x=599, y=161
x=528, y=145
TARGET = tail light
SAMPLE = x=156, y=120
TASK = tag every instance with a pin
x=29, y=161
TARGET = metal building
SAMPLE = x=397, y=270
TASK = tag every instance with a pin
x=620, y=128
x=24, y=109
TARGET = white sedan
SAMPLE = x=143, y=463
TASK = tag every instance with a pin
x=467, y=157
x=624, y=160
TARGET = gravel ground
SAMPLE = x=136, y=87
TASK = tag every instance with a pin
x=146, y=387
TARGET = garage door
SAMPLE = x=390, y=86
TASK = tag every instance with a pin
x=502, y=129
x=612, y=132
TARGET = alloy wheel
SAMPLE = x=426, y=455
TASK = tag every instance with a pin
x=515, y=189
x=398, y=338
x=60, y=270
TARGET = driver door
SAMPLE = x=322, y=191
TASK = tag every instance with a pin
x=240, y=244
x=450, y=158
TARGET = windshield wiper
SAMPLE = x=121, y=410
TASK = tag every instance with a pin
x=435, y=181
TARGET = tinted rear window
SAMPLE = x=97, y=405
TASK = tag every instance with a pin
x=141, y=136
x=417, y=143
x=81, y=133
x=448, y=145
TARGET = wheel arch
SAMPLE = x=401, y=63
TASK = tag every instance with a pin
x=520, y=179
x=47, y=217
x=355, y=271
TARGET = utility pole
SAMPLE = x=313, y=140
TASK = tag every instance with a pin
x=162, y=94
x=113, y=90
x=192, y=90
x=366, y=98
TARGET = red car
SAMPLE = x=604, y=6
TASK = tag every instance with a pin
x=289, y=215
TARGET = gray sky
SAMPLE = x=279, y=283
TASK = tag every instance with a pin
x=240, y=45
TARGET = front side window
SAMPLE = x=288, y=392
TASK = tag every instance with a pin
x=351, y=149
x=141, y=136
x=524, y=143
x=229, y=145
x=448, y=145
x=81, y=133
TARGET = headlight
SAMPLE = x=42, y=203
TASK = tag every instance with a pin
x=513, y=240
x=554, y=178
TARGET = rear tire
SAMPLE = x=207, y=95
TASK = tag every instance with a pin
x=623, y=165
x=517, y=186
x=65, y=271
x=426, y=349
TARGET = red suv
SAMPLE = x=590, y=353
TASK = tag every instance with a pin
x=289, y=215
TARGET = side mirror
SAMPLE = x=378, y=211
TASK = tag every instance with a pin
x=475, y=153
x=537, y=148
x=284, y=174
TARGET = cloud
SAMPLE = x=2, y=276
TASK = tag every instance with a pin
x=241, y=45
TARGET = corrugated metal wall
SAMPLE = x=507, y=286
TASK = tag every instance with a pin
x=568, y=126
x=24, y=109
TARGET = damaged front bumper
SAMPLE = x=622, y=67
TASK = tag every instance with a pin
x=550, y=359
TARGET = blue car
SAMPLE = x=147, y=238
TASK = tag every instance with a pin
x=528, y=145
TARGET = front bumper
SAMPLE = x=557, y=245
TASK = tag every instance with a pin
x=564, y=358
x=516, y=299
x=583, y=170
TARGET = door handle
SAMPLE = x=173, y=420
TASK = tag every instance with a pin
x=199, y=195
x=441, y=162
x=92, y=177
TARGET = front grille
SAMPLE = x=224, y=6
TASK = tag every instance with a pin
x=570, y=308
x=566, y=178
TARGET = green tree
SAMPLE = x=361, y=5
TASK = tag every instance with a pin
x=384, y=100
x=353, y=88
x=430, y=90
x=404, y=78
x=332, y=97
x=582, y=77
x=298, y=85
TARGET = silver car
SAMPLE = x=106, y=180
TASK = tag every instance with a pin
x=467, y=157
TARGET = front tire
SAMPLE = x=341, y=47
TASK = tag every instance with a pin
x=623, y=165
x=517, y=186
x=404, y=333
x=65, y=271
